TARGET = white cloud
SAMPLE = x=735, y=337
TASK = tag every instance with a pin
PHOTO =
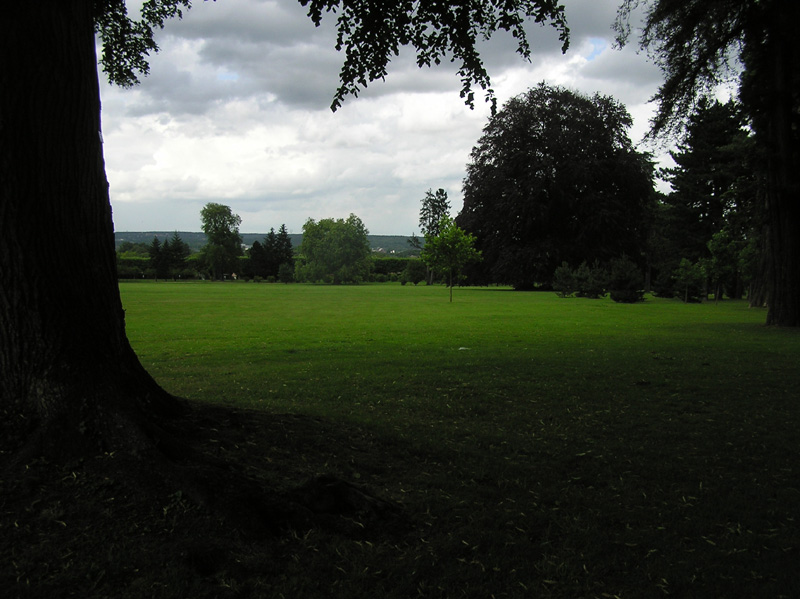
x=236, y=111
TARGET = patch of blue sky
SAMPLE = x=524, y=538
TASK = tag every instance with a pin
x=227, y=76
x=598, y=46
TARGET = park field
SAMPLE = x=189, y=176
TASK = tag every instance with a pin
x=537, y=446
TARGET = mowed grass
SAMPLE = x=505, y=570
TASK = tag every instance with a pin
x=539, y=446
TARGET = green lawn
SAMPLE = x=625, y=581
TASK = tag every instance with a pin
x=539, y=446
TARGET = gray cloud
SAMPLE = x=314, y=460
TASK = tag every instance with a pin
x=236, y=110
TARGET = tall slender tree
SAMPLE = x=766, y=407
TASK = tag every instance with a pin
x=435, y=206
x=158, y=257
x=284, y=249
x=708, y=164
x=179, y=251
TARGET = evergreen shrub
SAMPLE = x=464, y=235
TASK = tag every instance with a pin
x=564, y=281
x=590, y=282
x=625, y=281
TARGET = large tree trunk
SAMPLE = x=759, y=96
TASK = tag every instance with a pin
x=783, y=186
x=65, y=359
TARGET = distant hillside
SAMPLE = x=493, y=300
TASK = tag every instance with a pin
x=388, y=243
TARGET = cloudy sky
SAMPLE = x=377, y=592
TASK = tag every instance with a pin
x=236, y=111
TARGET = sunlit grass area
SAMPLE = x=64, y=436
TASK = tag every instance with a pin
x=539, y=446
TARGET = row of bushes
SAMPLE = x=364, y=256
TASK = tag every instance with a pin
x=383, y=269
x=622, y=279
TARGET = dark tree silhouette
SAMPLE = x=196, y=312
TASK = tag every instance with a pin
x=555, y=178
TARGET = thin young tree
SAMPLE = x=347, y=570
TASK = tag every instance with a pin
x=449, y=251
x=435, y=206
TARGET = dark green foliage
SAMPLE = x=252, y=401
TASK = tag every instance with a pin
x=584, y=281
x=590, y=281
x=712, y=180
x=715, y=189
x=689, y=278
x=159, y=258
x=625, y=281
x=387, y=266
x=224, y=246
x=172, y=259
x=267, y=258
x=723, y=264
x=555, y=178
x=334, y=251
x=564, y=281
x=286, y=272
x=414, y=272
x=371, y=33
x=130, y=247
x=132, y=266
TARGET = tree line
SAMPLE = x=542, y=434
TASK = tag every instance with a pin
x=557, y=196
x=332, y=250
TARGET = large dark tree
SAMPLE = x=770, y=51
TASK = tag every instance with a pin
x=697, y=43
x=266, y=258
x=555, y=178
x=179, y=251
x=69, y=379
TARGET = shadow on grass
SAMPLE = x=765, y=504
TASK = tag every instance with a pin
x=585, y=504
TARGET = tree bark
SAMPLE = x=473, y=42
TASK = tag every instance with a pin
x=65, y=359
x=783, y=186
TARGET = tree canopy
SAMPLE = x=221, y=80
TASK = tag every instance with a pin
x=221, y=227
x=555, y=178
x=334, y=250
x=369, y=32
